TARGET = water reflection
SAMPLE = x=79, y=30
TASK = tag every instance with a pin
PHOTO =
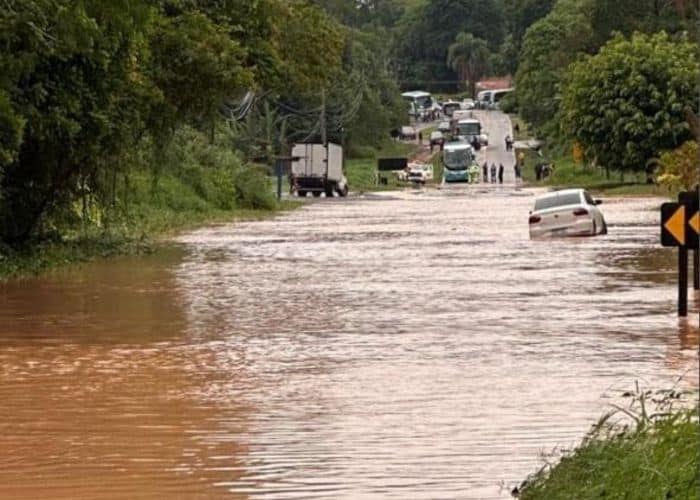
x=401, y=346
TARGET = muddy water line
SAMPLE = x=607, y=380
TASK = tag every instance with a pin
x=415, y=345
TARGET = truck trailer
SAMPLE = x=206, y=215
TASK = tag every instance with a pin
x=317, y=169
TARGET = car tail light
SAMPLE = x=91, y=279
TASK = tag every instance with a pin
x=534, y=219
x=580, y=211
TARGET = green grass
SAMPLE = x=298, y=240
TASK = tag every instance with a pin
x=567, y=173
x=655, y=456
x=361, y=172
x=146, y=219
x=524, y=133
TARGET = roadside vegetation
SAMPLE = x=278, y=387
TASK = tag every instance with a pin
x=124, y=120
x=616, y=83
x=647, y=450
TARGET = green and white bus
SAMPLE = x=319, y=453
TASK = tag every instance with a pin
x=457, y=157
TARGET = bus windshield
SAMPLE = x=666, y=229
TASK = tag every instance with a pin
x=469, y=128
x=457, y=159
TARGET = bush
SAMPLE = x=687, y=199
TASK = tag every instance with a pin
x=252, y=189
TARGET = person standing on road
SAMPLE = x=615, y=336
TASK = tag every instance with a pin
x=500, y=173
x=485, y=169
x=420, y=137
x=493, y=173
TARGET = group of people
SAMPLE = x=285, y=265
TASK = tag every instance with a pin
x=497, y=172
x=494, y=172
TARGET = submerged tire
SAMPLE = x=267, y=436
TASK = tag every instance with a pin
x=301, y=194
x=605, y=228
x=316, y=193
x=343, y=192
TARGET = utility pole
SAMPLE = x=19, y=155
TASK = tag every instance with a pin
x=323, y=117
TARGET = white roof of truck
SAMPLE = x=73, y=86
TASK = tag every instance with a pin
x=457, y=146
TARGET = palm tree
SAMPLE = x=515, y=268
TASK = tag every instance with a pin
x=469, y=57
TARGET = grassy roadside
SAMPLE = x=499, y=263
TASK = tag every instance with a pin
x=567, y=173
x=149, y=220
x=652, y=456
x=361, y=172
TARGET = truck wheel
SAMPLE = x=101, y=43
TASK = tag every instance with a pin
x=329, y=191
x=316, y=193
x=344, y=191
x=302, y=194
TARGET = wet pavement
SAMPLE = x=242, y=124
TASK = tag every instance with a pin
x=402, y=345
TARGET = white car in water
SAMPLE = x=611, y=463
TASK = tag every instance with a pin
x=569, y=212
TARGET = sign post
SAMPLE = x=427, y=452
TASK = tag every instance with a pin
x=680, y=225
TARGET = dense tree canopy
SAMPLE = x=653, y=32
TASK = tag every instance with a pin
x=92, y=90
x=626, y=104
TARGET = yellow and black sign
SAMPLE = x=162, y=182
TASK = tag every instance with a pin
x=680, y=222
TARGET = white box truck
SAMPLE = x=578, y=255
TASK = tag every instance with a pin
x=318, y=169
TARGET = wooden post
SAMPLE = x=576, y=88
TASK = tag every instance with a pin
x=682, y=281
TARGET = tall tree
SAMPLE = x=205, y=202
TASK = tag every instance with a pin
x=626, y=104
x=469, y=56
x=70, y=72
x=426, y=32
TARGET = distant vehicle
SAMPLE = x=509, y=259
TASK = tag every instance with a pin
x=420, y=172
x=468, y=104
x=469, y=130
x=418, y=101
x=461, y=114
x=489, y=99
x=444, y=127
x=436, y=138
x=407, y=133
x=450, y=107
x=457, y=157
x=483, y=98
x=319, y=169
x=569, y=212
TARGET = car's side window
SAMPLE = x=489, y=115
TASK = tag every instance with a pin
x=588, y=198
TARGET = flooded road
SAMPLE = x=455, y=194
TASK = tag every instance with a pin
x=409, y=345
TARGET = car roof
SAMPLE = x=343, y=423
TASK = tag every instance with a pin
x=561, y=192
x=553, y=194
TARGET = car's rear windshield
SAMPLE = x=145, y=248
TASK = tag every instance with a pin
x=558, y=201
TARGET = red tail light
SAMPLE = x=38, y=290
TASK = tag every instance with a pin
x=580, y=211
x=534, y=219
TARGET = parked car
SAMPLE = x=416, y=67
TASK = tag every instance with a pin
x=568, y=212
x=407, y=133
x=450, y=107
x=420, y=172
x=444, y=127
x=468, y=104
x=436, y=138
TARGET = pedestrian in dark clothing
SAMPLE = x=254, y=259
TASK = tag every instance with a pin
x=500, y=173
x=493, y=173
x=516, y=129
x=420, y=138
x=485, y=169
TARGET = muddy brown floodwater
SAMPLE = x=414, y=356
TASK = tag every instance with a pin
x=411, y=345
